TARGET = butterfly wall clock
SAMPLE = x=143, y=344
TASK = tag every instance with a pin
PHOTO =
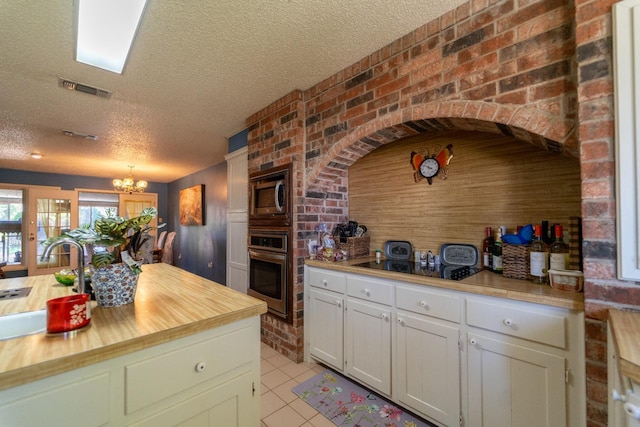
x=427, y=165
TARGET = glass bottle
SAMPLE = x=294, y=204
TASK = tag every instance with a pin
x=487, y=250
x=538, y=258
x=497, y=253
x=558, y=251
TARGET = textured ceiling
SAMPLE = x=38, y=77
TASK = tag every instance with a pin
x=197, y=70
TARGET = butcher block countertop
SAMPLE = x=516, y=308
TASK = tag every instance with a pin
x=170, y=303
x=625, y=326
x=483, y=283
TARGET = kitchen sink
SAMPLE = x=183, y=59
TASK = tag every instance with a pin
x=21, y=324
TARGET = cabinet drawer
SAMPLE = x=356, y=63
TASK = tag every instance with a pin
x=370, y=290
x=328, y=280
x=528, y=321
x=428, y=302
x=151, y=380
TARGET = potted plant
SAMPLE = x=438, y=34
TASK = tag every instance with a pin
x=114, y=244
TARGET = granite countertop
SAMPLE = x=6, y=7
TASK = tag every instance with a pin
x=625, y=326
x=483, y=283
x=170, y=303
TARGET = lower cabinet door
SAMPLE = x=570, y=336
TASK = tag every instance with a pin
x=514, y=386
x=230, y=404
x=326, y=335
x=367, y=344
x=428, y=367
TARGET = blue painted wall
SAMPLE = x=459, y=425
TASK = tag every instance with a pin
x=238, y=140
x=202, y=249
x=70, y=182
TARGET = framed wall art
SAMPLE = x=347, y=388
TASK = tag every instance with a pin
x=191, y=202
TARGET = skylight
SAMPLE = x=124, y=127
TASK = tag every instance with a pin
x=106, y=29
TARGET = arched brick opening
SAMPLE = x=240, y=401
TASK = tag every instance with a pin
x=529, y=124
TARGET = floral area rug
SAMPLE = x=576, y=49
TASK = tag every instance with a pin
x=347, y=404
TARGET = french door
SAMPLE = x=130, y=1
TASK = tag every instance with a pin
x=50, y=213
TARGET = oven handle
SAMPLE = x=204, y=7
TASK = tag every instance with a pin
x=267, y=255
x=279, y=206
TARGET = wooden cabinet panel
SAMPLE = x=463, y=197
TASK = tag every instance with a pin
x=224, y=405
x=326, y=338
x=428, y=367
x=79, y=399
x=368, y=289
x=520, y=320
x=367, y=344
x=421, y=300
x=327, y=280
x=151, y=380
x=514, y=386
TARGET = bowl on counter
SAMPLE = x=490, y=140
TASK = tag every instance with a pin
x=65, y=277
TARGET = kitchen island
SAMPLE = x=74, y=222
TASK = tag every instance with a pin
x=483, y=351
x=185, y=343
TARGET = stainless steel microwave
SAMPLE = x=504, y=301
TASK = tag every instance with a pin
x=270, y=196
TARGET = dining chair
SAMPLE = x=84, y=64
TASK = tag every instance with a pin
x=167, y=250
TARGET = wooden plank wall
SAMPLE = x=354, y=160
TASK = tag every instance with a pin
x=492, y=180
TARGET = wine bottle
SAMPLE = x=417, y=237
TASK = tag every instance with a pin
x=487, y=250
x=538, y=258
x=497, y=253
x=544, y=233
x=558, y=251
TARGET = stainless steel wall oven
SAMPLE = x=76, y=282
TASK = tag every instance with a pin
x=270, y=270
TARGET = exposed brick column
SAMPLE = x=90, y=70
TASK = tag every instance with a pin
x=596, y=134
x=276, y=137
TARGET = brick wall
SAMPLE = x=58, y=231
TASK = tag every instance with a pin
x=539, y=71
x=596, y=134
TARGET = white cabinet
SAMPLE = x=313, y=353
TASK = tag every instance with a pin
x=368, y=332
x=237, y=216
x=326, y=342
x=367, y=349
x=514, y=386
x=427, y=366
x=223, y=405
x=449, y=356
x=208, y=379
x=325, y=310
x=525, y=365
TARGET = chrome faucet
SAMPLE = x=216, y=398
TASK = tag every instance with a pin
x=68, y=241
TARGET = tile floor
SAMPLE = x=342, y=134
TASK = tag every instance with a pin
x=279, y=406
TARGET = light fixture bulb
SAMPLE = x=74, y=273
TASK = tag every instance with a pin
x=128, y=184
x=36, y=155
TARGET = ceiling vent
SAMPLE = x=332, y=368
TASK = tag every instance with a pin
x=81, y=87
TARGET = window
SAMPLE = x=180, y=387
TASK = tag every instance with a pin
x=11, y=226
x=92, y=206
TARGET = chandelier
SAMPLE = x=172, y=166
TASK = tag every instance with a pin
x=128, y=184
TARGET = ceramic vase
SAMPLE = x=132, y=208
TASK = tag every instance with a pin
x=114, y=285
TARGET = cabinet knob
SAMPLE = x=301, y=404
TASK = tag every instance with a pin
x=366, y=292
x=615, y=394
x=385, y=316
x=423, y=304
x=507, y=322
x=324, y=282
x=473, y=341
x=339, y=303
x=632, y=410
x=201, y=366
x=401, y=322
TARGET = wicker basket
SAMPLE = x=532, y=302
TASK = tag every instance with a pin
x=356, y=247
x=515, y=261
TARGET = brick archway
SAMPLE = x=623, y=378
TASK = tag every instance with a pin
x=529, y=124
